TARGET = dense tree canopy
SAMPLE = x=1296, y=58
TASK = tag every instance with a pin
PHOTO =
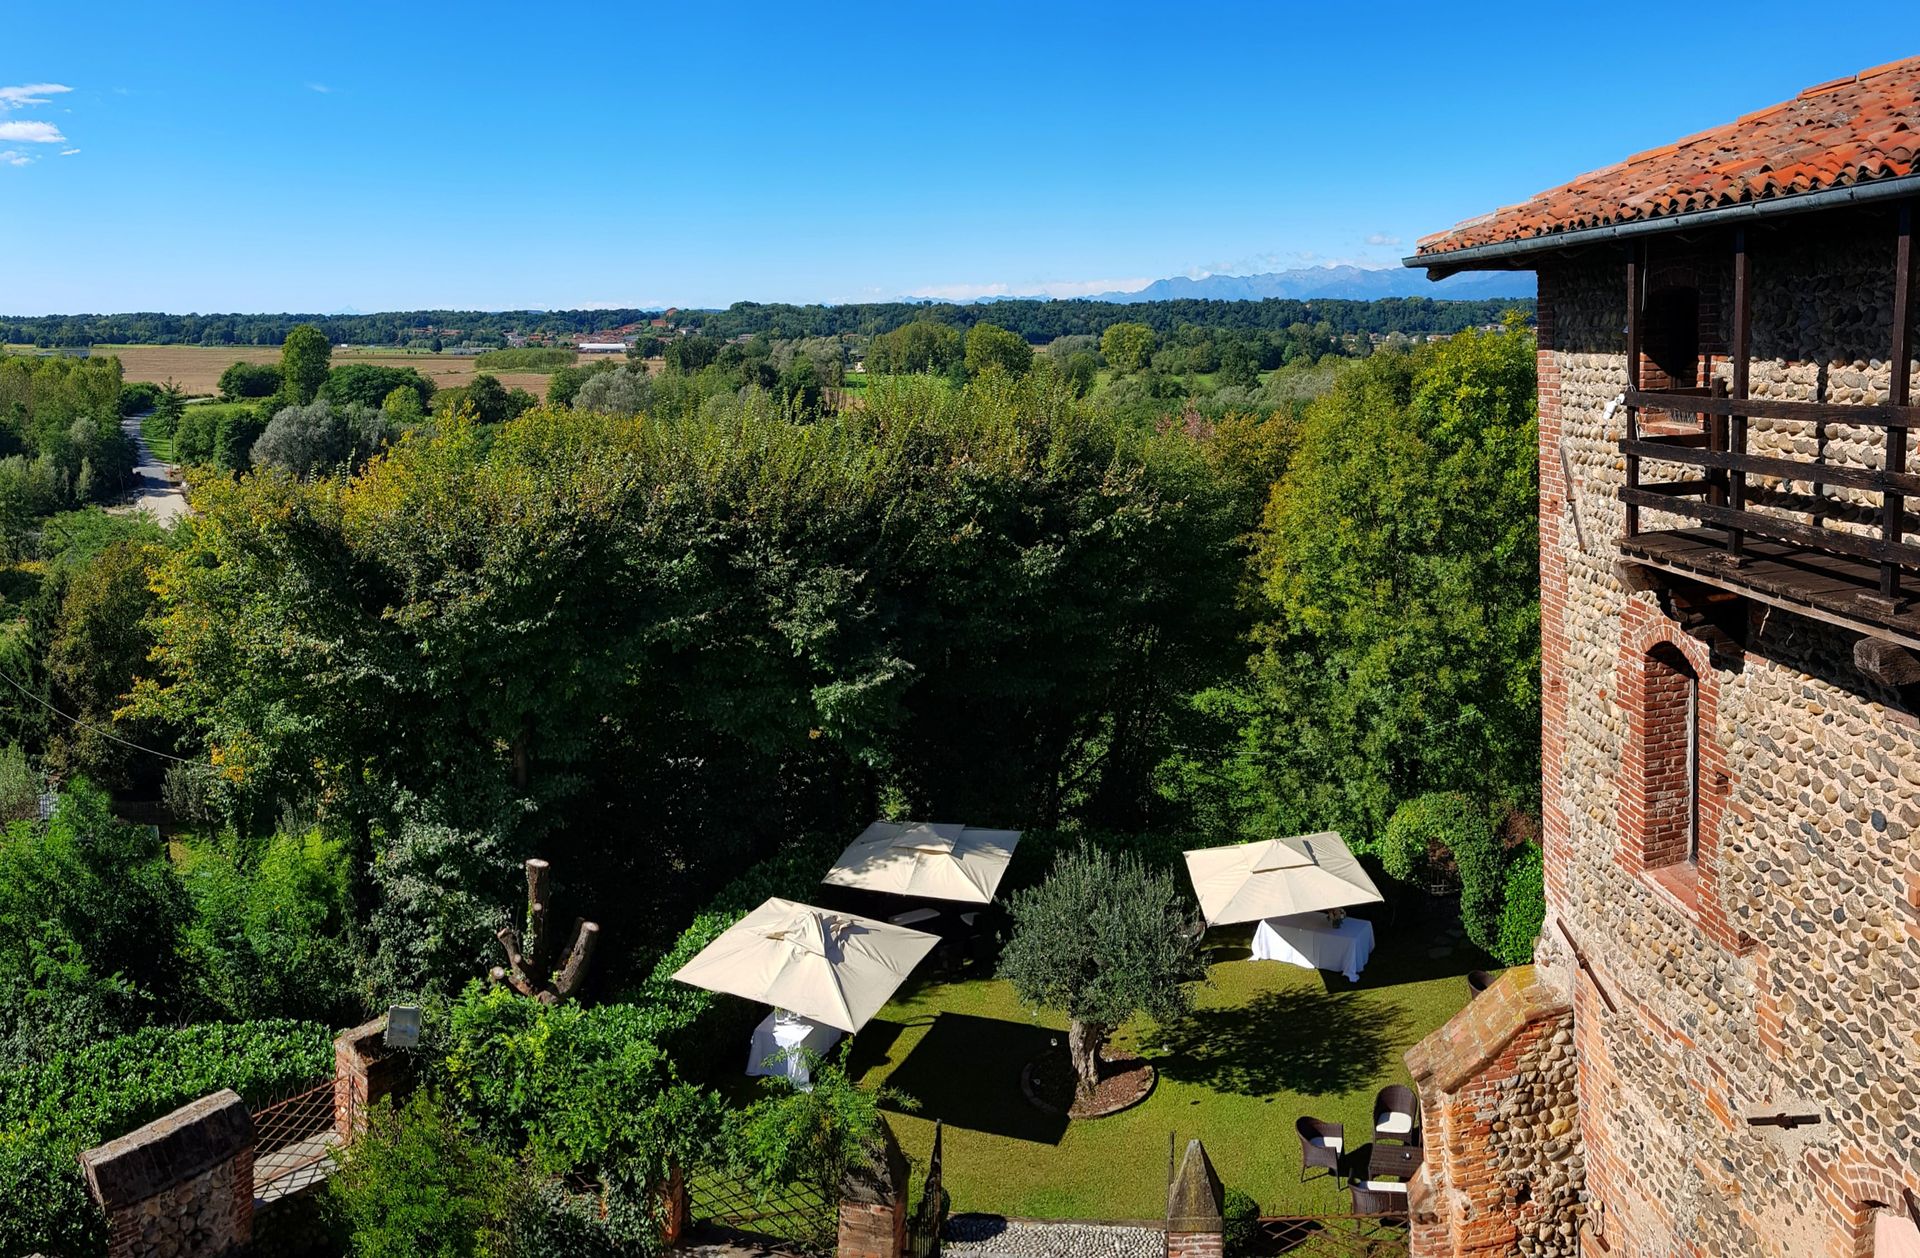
x=1401, y=652
x=984, y=603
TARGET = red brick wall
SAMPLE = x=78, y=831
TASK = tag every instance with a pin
x=870, y=1230
x=1195, y=1245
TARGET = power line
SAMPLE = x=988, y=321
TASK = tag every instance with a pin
x=88, y=725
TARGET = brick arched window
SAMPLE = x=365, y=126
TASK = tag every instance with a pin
x=1663, y=808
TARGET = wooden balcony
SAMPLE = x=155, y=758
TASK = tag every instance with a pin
x=1779, y=539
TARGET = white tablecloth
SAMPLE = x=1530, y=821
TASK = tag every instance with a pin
x=778, y=1043
x=1306, y=940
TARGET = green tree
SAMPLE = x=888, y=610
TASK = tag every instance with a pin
x=1127, y=346
x=245, y=381
x=1400, y=654
x=401, y=409
x=168, y=408
x=1082, y=370
x=920, y=347
x=1102, y=939
x=991, y=348
x=305, y=358
x=100, y=643
x=368, y=384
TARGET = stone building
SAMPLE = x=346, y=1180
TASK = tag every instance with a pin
x=1730, y=607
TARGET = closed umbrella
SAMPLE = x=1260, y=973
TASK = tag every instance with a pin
x=1277, y=878
x=927, y=860
x=835, y=969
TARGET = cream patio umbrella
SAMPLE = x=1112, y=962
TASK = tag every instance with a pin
x=928, y=860
x=1277, y=878
x=831, y=968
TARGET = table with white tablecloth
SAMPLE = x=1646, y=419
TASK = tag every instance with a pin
x=781, y=1043
x=1310, y=941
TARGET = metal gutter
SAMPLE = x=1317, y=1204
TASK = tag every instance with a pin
x=1798, y=203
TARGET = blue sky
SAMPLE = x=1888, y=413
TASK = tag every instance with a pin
x=276, y=157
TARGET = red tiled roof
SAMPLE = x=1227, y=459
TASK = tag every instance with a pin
x=1853, y=130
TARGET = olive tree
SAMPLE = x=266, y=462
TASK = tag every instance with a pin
x=1102, y=938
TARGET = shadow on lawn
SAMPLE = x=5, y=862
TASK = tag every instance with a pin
x=1303, y=1041
x=965, y=1071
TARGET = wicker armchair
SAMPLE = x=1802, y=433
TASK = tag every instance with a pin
x=1322, y=1144
x=1396, y=1114
x=1387, y=1199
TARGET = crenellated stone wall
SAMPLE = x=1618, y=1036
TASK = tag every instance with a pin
x=181, y=1185
x=1782, y=974
x=1504, y=1168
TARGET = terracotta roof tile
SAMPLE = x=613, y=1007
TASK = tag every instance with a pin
x=1848, y=131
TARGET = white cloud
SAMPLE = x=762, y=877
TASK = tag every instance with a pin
x=29, y=94
x=321, y=88
x=1382, y=238
x=13, y=157
x=31, y=133
x=68, y=152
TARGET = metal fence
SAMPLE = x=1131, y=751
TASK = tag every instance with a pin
x=1333, y=1236
x=293, y=1138
x=799, y=1217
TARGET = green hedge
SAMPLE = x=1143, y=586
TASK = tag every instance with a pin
x=1429, y=831
x=524, y=360
x=50, y=1112
x=1523, y=907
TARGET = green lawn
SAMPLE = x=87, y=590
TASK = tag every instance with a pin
x=1267, y=1043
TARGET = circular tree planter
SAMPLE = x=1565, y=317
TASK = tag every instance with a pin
x=1051, y=1086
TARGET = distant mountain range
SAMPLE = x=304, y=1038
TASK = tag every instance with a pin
x=1352, y=283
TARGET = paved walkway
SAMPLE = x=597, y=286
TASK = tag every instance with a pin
x=990, y=1236
x=155, y=490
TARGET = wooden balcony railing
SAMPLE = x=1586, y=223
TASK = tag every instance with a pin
x=1720, y=497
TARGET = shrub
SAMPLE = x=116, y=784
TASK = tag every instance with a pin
x=415, y=1183
x=532, y=359
x=1242, y=1215
x=91, y=914
x=139, y=397
x=368, y=384
x=268, y=936
x=1523, y=907
x=244, y=381
x=1445, y=833
x=51, y=1111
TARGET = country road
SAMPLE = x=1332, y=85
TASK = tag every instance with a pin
x=154, y=491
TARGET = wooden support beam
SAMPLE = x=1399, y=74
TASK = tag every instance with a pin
x=1892, y=501
x=1888, y=663
x=1635, y=261
x=1742, y=351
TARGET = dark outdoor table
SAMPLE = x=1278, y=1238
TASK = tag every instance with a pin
x=1393, y=1159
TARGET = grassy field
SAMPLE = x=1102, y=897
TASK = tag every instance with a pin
x=1266, y=1044
x=197, y=368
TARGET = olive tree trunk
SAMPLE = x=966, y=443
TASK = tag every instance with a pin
x=1084, y=1042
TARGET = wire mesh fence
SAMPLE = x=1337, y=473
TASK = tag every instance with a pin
x=798, y=1217
x=292, y=1140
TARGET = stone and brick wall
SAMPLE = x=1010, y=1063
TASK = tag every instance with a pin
x=1503, y=1170
x=1780, y=971
x=181, y=1185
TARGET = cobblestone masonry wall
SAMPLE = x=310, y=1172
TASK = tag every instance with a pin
x=1504, y=1170
x=1788, y=977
